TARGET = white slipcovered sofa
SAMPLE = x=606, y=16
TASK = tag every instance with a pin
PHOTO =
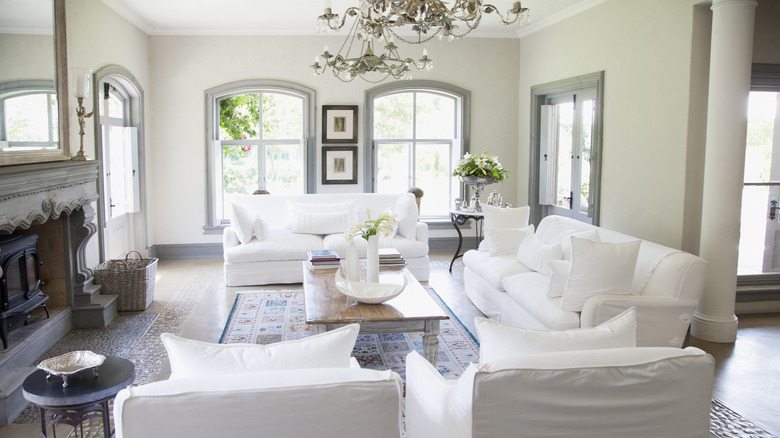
x=616, y=392
x=603, y=276
x=270, y=235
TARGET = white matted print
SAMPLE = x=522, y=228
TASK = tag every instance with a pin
x=339, y=123
x=339, y=164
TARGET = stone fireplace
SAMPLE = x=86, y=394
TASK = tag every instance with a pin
x=54, y=201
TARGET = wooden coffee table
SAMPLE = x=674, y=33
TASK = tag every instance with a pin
x=412, y=311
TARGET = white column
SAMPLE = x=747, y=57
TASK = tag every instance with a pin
x=730, y=63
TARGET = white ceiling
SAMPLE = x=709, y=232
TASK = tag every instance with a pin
x=261, y=17
x=298, y=17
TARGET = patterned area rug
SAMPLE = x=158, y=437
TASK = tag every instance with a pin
x=265, y=317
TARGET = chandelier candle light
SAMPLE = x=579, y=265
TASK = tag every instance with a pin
x=347, y=65
x=378, y=22
x=427, y=18
x=478, y=171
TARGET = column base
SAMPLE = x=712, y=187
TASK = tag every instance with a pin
x=713, y=329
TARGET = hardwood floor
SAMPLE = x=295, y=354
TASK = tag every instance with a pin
x=747, y=372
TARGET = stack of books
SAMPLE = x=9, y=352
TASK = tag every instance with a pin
x=323, y=259
x=390, y=257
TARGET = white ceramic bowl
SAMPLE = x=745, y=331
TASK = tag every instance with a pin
x=369, y=293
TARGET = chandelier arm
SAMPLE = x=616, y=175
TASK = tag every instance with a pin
x=517, y=13
x=419, y=35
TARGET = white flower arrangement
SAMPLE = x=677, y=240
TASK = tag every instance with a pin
x=480, y=166
x=384, y=225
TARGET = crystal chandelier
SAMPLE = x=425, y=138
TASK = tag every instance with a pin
x=356, y=57
x=427, y=18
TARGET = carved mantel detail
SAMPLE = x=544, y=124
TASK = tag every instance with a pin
x=36, y=193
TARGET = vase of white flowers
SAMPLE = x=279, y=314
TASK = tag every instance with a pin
x=370, y=230
x=478, y=171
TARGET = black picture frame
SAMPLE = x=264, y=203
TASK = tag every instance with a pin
x=339, y=165
x=339, y=124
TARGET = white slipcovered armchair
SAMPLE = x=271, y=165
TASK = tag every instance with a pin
x=618, y=392
x=309, y=387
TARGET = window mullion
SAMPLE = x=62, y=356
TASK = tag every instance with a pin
x=261, y=152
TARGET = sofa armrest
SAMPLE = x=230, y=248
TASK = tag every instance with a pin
x=660, y=322
x=421, y=234
x=229, y=238
x=427, y=402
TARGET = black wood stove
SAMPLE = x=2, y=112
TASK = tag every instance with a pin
x=20, y=281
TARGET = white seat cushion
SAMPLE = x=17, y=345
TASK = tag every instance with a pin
x=494, y=269
x=529, y=290
x=278, y=245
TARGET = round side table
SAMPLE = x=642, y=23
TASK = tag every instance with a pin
x=86, y=398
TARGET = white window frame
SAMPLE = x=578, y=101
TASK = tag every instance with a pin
x=15, y=89
x=215, y=224
x=459, y=144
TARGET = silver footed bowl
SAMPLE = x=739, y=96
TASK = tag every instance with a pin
x=69, y=364
x=478, y=181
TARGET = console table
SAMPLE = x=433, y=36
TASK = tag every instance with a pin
x=460, y=217
x=84, y=399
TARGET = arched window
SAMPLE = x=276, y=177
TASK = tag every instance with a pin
x=259, y=138
x=417, y=130
x=28, y=116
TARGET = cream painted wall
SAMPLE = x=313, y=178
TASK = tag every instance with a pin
x=98, y=37
x=183, y=67
x=644, y=47
x=26, y=57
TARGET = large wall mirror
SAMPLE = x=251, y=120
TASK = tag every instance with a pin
x=33, y=82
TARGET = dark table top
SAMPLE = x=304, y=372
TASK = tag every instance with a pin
x=114, y=374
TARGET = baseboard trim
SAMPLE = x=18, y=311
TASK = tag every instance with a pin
x=214, y=250
x=187, y=251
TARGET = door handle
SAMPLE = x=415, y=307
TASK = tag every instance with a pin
x=772, y=208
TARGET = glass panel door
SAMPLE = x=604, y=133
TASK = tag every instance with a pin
x=760, y=221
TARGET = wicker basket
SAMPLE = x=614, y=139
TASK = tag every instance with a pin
x=132, y=279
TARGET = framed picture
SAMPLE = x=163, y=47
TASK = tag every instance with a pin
x=339, y=165
x=339, y=124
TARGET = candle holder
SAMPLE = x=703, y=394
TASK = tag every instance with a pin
x=81, y=91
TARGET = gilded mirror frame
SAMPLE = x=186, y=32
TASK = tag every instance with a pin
x=61, y=67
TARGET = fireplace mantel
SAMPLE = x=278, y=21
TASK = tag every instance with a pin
x=36, y=193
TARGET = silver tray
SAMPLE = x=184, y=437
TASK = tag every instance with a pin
x=68, y=364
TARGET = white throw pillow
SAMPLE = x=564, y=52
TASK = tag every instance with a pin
x=406, y=210
x=499, y=341
x=196, y=359
x=496, y=217
x=260, y=227
x=501, y=241
x=536, y=255
x=307, y=207
x=309, y=219
x=242, y=222
x=599, y=268
x=559, y=277
x=566, y=241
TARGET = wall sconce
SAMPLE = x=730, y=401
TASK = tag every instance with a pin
x=81, y=81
